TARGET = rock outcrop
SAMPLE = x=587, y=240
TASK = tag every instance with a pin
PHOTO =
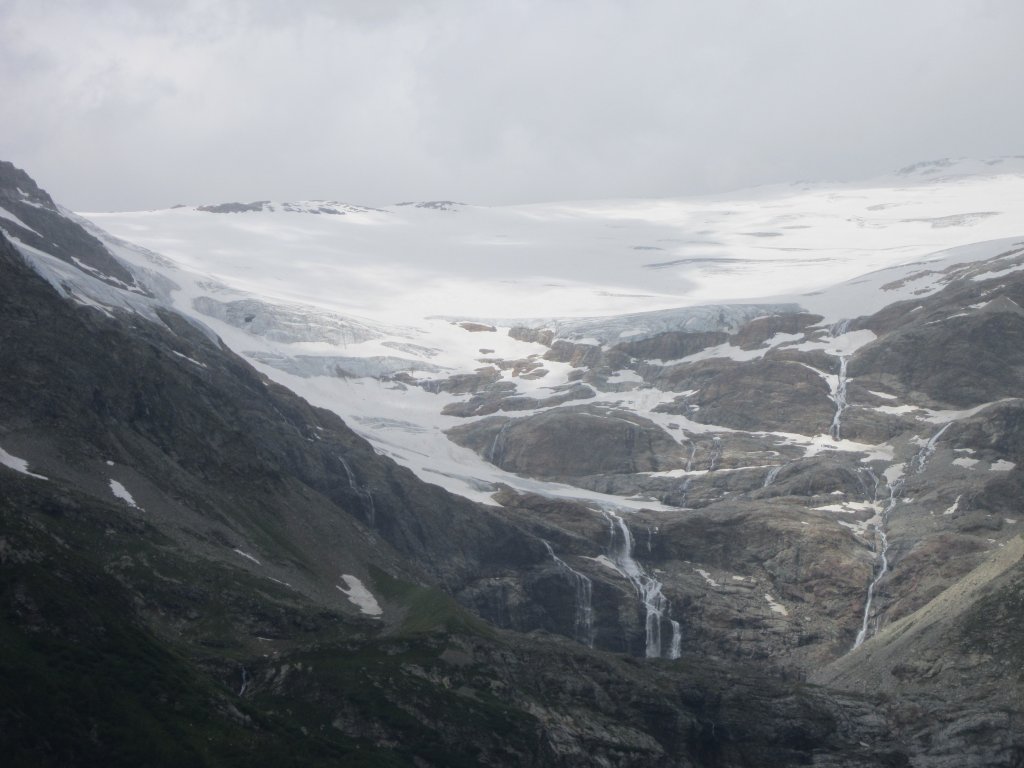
x=763, y=499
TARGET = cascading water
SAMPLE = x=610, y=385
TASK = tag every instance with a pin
x=584, y=610
x=656, y=605
x=496, y=452
x=895, y=488
x=693, y=455
x=772, y=474
x=684, y=491
x=365, y=497
x=918, y=463
x=871, y=494
x=839, y=328
x=716, y=453
x=839, y=397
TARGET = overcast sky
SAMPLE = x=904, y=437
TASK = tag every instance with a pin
x=127, y=104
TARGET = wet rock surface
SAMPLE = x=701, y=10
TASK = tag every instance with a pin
x=223, y=572
x=571, y=441
x=200, y=534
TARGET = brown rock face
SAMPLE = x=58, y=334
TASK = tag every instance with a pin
x=672, y=345
x=759, y=395
x=477, y=327
x=494, y=400
x=466, y=383
x=759, y=330
x=544, y=337
x=964, y=362
x=577, y=355
x=571, y=442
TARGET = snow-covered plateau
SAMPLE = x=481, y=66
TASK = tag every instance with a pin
x=360, y=309
x=781, y=429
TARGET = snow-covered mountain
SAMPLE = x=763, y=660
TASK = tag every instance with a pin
x=792, y=437
x=372, y=312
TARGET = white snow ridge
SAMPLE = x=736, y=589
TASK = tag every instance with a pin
x=378, y=295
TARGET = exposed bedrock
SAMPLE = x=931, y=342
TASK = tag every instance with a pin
x=672, y=345
x=757, y=395
x=502, y=397
x=960, y=358
x=760, y=329
x=570, y=442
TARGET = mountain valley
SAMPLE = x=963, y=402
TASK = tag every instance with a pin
x=718, y=481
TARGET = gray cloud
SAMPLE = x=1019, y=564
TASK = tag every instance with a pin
x=115, y=104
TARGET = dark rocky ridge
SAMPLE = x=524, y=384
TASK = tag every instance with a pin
x=219, y=460
x=761, y=395
x=257, y=206
x=790, y=526
x=173, y=413
x=209, y=658
x=587, y=441
x=47, y=229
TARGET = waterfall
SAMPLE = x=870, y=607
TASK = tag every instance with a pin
x=693, y=454
x=584, y=610
x=839, y=328
x=839, y=398
x=772, y=474
x=863, y=633
x=716, y=453
x=895, y=488
x=245, y=682
x=921, y=459
x=656, y=605
x=365, y=497
x=496, y=452
x=874, y=482
x=684, y=489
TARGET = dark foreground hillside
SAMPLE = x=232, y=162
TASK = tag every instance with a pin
x=203, y=623
x=198, y=568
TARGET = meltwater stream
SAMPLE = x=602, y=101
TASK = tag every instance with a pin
x=772, y=474
x=920, y=461
x=584, y=609
x=895, y=488
x=365, y=497
x=916, y=465
x=839, y=395
x=656, y=605
x=495, y=453
x=840, y=398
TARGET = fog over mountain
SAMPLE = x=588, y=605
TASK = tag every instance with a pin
x=494, y=103
x=537, y=384
x=707, y=481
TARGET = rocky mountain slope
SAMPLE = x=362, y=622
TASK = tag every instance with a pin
x=748, y=491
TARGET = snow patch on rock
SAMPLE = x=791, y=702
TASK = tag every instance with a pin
x=122, y=493
x=775, y=606
x=247, y=556
x=18, y=465
x=964, y=462
x=359, y=595
x=707, y=577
